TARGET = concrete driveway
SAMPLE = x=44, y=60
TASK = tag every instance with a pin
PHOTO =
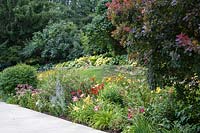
x=15, y=119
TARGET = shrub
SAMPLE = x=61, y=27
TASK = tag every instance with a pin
x=29, y=97
x=97, y=60
x=166, y=36
x=19, y=74
x=82, y=111
x=101, y=119
x=107, y=116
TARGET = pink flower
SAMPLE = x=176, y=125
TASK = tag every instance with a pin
x=107, y=4
x=82, y=95
x=96, y=108
x=130, y=115
x=143, y=11
x=183, y=40
x=141, y=110
x=127, y=29
x=74, y=98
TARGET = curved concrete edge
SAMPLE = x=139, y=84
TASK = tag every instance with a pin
x=15, y=119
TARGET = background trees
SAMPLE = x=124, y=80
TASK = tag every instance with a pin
x=19, y=19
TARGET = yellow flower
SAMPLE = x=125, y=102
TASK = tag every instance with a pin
x=158, y=90
x=87, y=100
x=97, y=99
x=195, y=42
x=129, y=81
x=108, y=79
x=43, y=75
x=76, y=108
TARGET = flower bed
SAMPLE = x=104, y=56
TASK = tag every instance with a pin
x=114, y=103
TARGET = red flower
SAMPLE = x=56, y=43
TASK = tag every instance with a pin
x=79, y=91
x=73, y=93
x=94, y=91
x=101, y=86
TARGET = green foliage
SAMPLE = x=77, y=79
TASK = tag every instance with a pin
x=19, y=20
x=166, y=112
x=80, y=11
x=140, y=125
x=120, y=60
x=57, y=42
x=112, y=94
x=102, y=119
x=19, y=74
x=81, y=112
x=108, y=116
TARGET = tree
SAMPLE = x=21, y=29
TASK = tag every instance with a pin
x=166, y=34
x=80, y=11
x=97, y=37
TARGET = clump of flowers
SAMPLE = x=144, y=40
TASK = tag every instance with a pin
x=117, y=78
x=22, y=89
x=132, y=112
x=95, y=89
x=87, y=100
x=45, y=74
x=76, y=95
x=184, y=41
